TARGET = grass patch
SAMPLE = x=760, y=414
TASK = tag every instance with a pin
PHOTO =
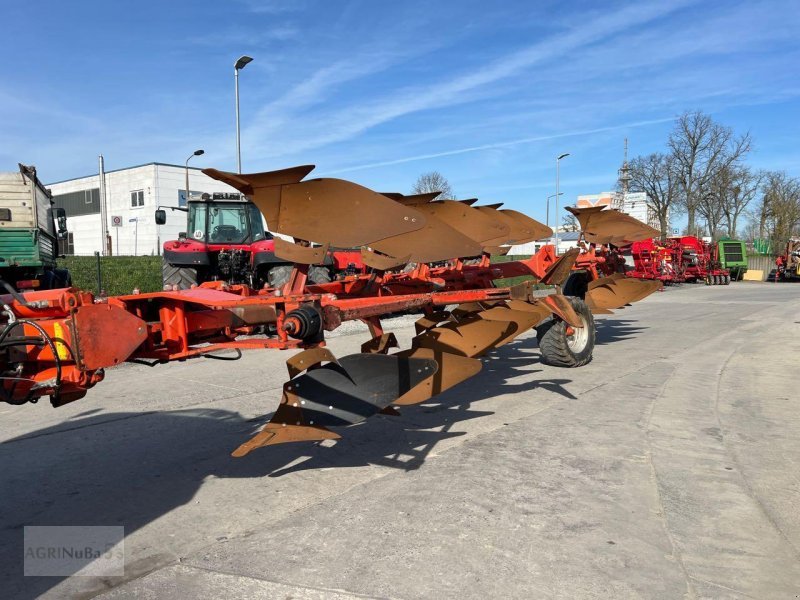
x=120, y=274
x=512, y=281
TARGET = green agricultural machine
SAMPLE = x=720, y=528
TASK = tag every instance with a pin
x=30, y=227
x=733, y=256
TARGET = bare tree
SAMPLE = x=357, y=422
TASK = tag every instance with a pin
x=434, y=182
x=656, y=176
x=570, y=223
x=700, y=147
x=736, y=187
x=709, y=207
x=780, y=207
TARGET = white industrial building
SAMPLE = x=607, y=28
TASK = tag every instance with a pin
x=566, y=241
x=132, y=196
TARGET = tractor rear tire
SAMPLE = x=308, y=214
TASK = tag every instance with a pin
x=183, y=277
x=319, y=275
x=559, y=349
x=279, y=276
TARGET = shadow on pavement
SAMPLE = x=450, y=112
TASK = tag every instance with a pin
x=131, y=468
x=609, y=331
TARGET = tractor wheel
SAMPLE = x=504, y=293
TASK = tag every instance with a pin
x=562, y=349
x=183, y=277
x=279, y=276
x=576, y=284
x=63, y=278
x=727, y=279
x=319, y=275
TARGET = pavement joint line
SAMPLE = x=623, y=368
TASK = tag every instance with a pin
x=297, y=585
x=723, y=587
x=739, y=468
x=662, y=513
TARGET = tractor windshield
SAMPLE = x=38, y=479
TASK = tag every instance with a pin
x=225, y=223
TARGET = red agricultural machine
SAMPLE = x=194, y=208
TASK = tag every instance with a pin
x=788, y=263
x=432, y=257
x=700, y=261
x=629, y=247
x=655, y=259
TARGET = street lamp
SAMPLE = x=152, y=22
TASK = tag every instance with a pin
x=241, y=63
x=548, y=206
x=195, y=153
x=558, y=162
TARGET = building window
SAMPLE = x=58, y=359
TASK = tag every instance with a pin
x=67, y=245
x=137, y=198
x=82, y=202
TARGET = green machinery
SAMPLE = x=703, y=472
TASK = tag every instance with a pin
x=733, y=256
x=30, y=227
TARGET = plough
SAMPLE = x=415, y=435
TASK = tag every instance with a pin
x=423, y=255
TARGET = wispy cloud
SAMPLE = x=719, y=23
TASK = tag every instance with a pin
x=505, y=144
x=272, y=7
x=353, y=120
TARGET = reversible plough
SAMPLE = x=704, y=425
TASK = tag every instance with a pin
x=425, y=256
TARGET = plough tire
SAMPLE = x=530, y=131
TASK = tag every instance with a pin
x=561, y=350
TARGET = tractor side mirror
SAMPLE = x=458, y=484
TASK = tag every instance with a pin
x=61, y=222
x=161, y=216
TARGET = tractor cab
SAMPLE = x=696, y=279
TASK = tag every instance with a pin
x=224, y=218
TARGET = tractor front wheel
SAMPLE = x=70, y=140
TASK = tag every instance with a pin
x=183, y=277
x=564, y=346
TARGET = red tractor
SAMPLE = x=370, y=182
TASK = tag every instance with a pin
x=225, y=240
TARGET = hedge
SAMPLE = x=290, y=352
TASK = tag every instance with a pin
x=120, y=274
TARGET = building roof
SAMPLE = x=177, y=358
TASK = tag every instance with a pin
x=160, y=164
x=563, y=236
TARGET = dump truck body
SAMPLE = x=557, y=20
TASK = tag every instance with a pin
x=28, y=232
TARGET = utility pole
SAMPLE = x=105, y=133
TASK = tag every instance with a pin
x=103, y=223
x=558, y=163
x=240, y=64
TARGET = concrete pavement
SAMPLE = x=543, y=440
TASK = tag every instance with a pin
x=666, y=468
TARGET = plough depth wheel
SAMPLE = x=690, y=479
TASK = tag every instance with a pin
x=564, y=346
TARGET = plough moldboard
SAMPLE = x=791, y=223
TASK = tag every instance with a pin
x=425, y=256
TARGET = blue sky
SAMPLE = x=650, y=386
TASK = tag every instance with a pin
x=379, y=92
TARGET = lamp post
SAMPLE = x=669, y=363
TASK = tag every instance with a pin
x=558, y=163
x=195, y=153
x=158, y=227
x=548, y=206
x=240, y=64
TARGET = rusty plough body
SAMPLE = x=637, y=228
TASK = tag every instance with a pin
x=424, y=256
